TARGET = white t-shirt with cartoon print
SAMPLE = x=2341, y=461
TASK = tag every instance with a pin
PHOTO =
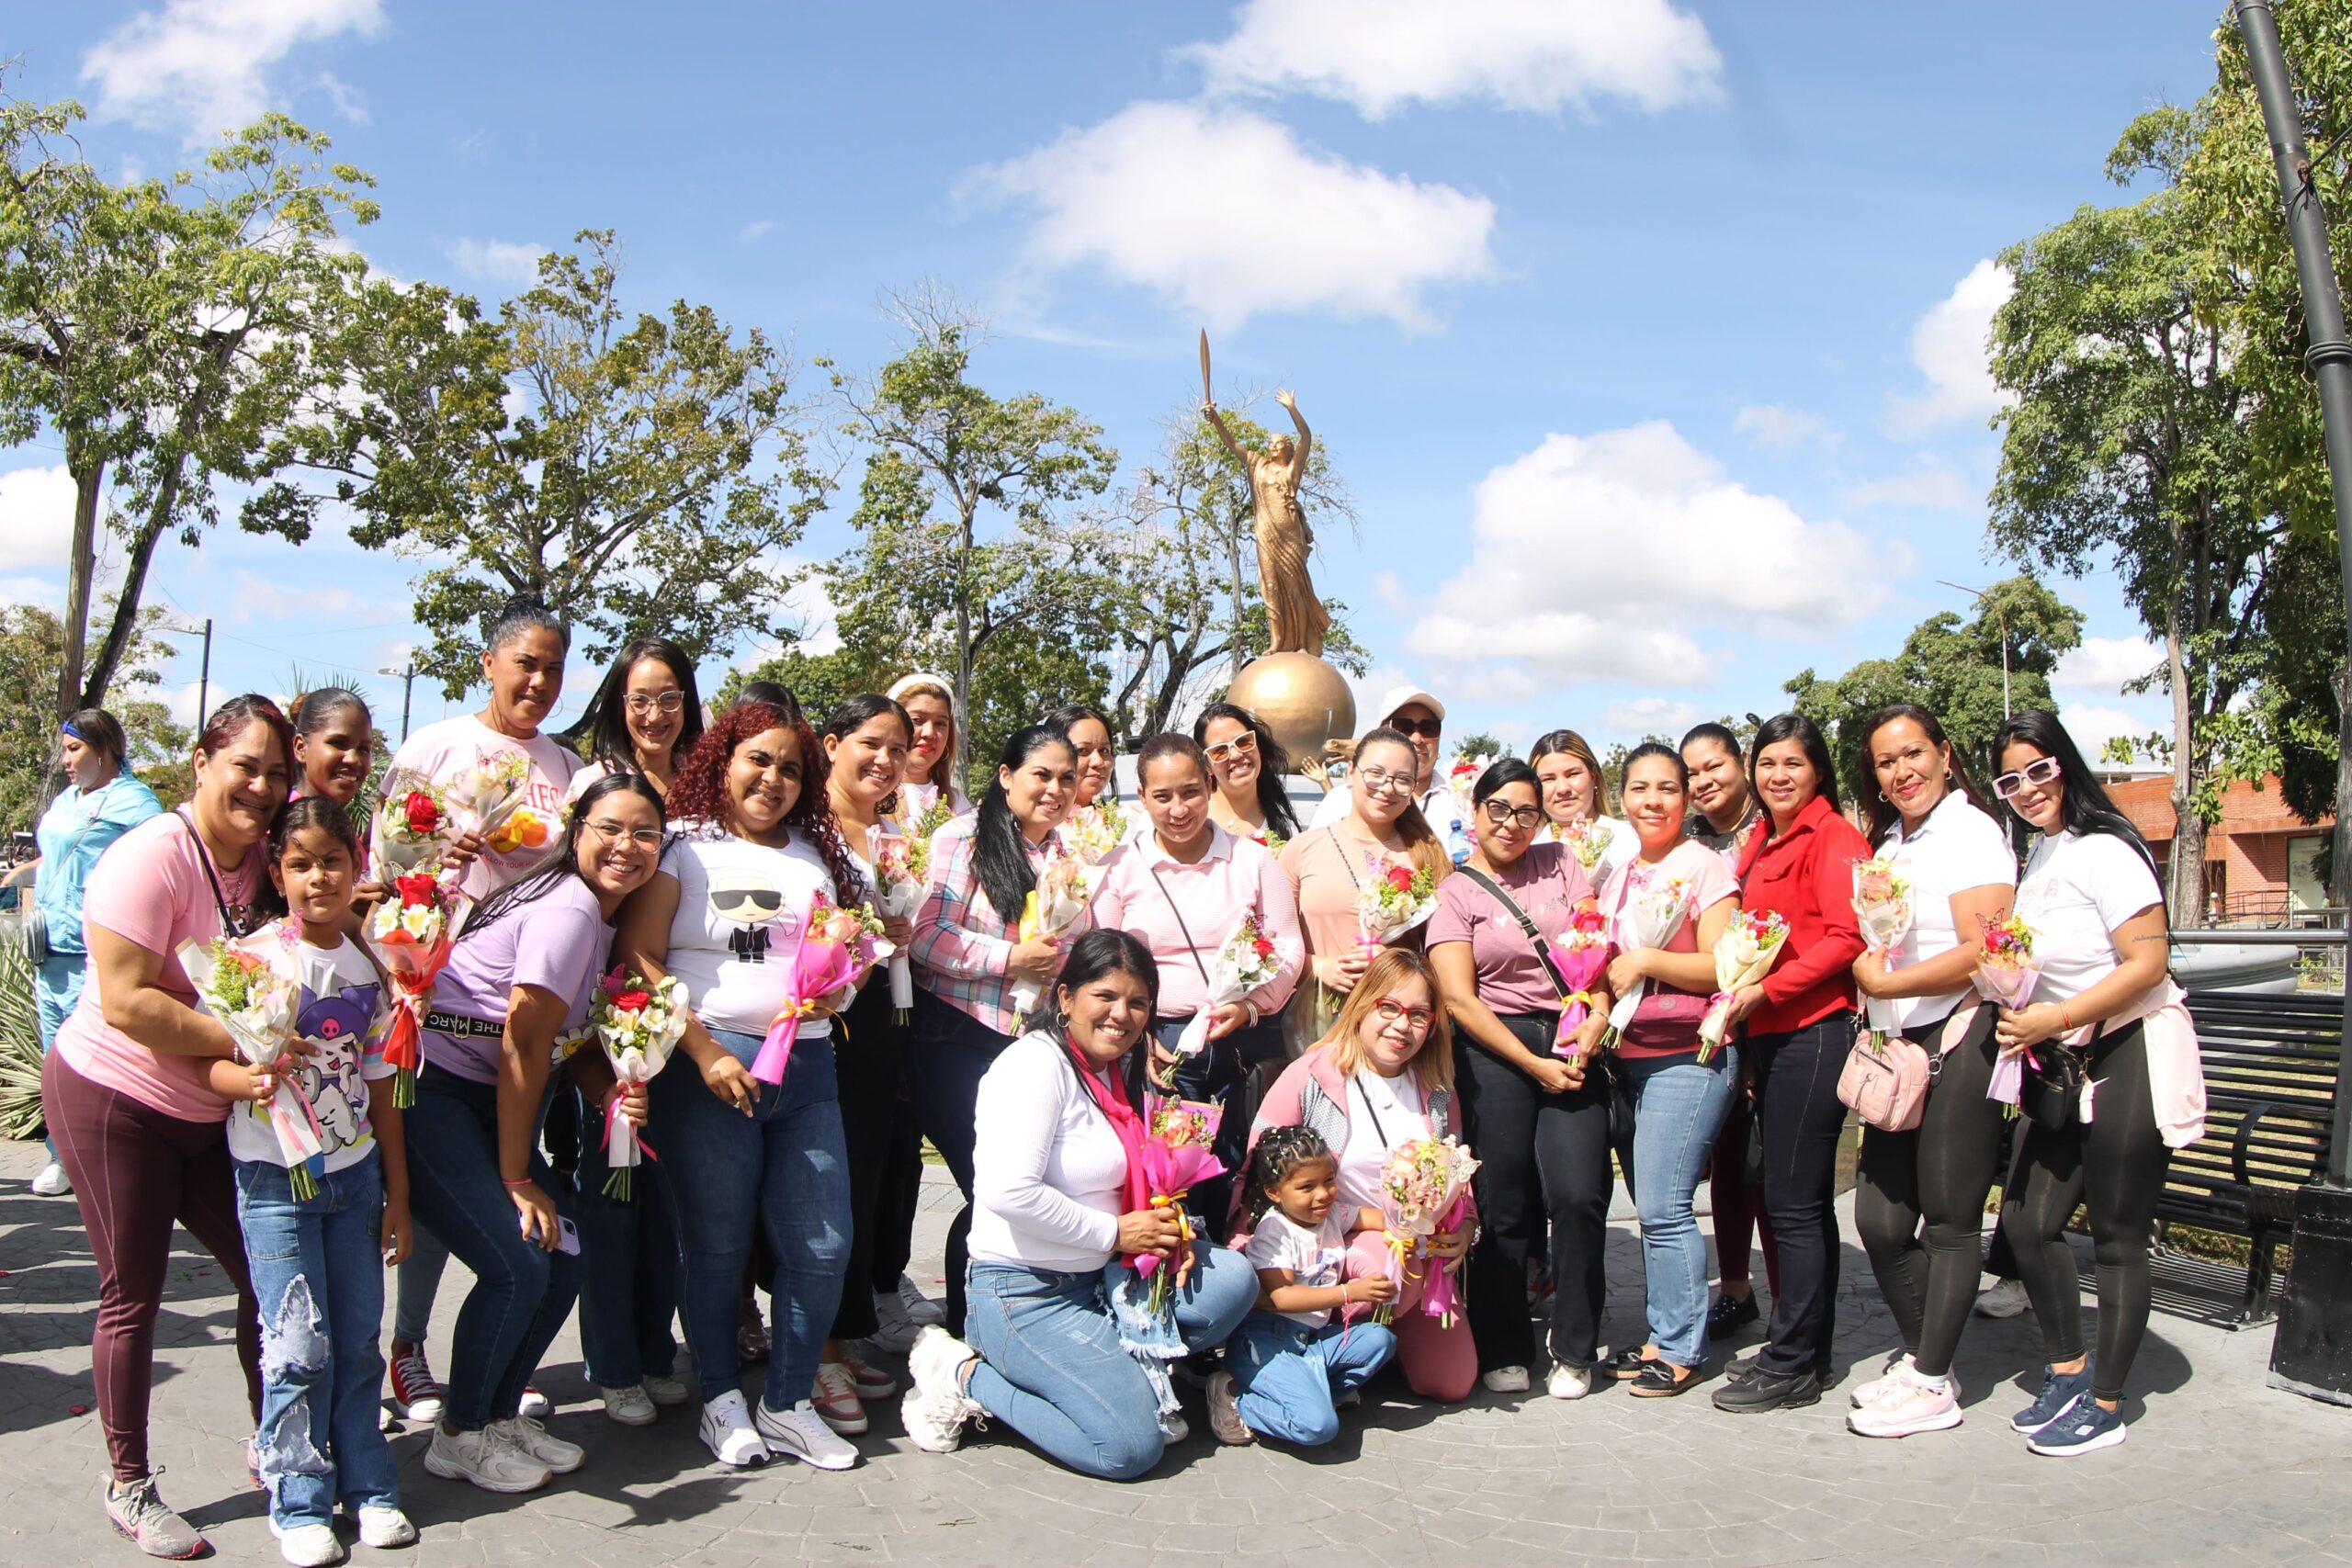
x=1314, y=1258
x=741, y=908
x=343, y=1010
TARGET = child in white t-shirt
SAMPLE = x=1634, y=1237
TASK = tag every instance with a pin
x=1293, y=1356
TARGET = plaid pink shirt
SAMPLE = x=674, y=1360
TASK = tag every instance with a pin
x=961, y=943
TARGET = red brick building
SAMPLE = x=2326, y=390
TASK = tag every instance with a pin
x=2258, y=857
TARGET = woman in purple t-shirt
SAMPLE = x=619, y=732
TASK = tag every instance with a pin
x=1539, y=1123
x=518, y=984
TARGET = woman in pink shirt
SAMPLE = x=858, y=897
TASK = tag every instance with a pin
x=1181, y=890
x=138, y=1129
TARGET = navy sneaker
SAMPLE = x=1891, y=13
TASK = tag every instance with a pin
x=2061, y=1392
x=2086, y=1428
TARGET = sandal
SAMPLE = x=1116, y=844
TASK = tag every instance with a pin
x=1626, y=1363
x=1663, y=1380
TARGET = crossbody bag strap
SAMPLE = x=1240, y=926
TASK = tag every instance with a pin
x=1526, y=926
x=228, y=925
x=1192, y=946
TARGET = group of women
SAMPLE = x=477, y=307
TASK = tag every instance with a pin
x=694, y=844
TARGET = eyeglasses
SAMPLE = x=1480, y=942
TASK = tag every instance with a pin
x=1240, y=744
x=1389, y=1010
x=1427, y=728
x=613, y=833
x=1498, y=813
x=2039, y=772
x=668, y=701
x=1380, y=780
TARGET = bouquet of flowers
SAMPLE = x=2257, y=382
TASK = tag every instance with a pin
x=899, y=889
x=1461, y=778
x=1392, y=900
x=1590, y=842
x=1580, y=953
x=931, y=819
x=1053, y=907
x=486, y=799
x=839, y=944
x=1248, y=959
x=2005, y=973
x=1424, y=1192
x=1653, y=911
x=411, y=933
x=1177, y=1153
x=638, y=1025
x=1095, y=830
x=257, y=1003
x=1743, y=954
x=1882, y=906
x=411, y=828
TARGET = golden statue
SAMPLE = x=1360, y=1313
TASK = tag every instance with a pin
x=1294, y=619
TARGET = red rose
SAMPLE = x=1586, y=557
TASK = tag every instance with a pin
x=423, y=816
x=1588, y=920
x=414, y=890
x=1400, y=879
x=631, y=1001
x=1265, y=948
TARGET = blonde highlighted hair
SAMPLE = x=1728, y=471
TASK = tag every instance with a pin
x=1432, y=1064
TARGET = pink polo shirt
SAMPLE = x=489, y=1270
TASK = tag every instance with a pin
x=1183, y=913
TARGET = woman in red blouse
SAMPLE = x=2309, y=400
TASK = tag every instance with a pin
x=1800, y=1027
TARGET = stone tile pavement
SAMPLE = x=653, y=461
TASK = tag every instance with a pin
x=2219, y=1469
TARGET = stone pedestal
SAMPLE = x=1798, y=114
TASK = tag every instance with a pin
x=1303, y=700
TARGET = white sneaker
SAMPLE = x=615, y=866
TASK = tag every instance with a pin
x=936, y=1408
x=308, y=1546
x=485, y=1458
x=1173, y=1427
x=384, y=1527
x=802, y=1433
x=535, y=1405
x=727, y=1432
x=1866, y=1393
x=631, y=1406
x=1907, y=1407
x=667, y=1391
x=542, y=1445
x=924, y=1312
x=1506, y=1379
x=2006, y=1299
x=1568, y=1382
x=835, y=1400
x=1225, y=1411
x=52, y=1181
x=896, y=1328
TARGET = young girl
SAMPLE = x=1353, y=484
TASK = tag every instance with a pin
x=318, y=1262
x=1291, y=1359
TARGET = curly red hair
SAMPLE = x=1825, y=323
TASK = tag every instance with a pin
x=698, y=792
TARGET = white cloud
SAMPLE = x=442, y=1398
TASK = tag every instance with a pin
x=186, y=701
x=1611, y=556
x=497, y=261
x=348, y=100
x=1224, y=214
x=1648, y=715
x=1948, y=347
x=2104, y=663
x=759, y=228
x=2092, y=726
x=36, y=517
x=1930, y=485
x=262, y=600
x=42, y=590
x=1778, y=428
x=205, y=64
x=1539, y=56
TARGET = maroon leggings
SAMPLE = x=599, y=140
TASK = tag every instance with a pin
x=134, y=1171
x=1738, y=1208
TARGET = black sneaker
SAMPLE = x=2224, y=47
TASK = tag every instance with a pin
x=1761, y=1390
x=1730, y=1313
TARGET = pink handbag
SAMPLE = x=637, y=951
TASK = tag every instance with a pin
x=1885, y=1081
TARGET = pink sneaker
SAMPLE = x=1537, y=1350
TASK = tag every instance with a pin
x=1907, y=1407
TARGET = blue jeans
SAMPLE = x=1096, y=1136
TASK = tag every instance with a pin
x=952, y=1051
x=57, y=986
x=782, y=1168
x=523, y=1293
x=628, y=1267
x=415, y=1283
x=1289, y=1373
x=1679, y=1107
x=319, y=1276
x=1052, y=1368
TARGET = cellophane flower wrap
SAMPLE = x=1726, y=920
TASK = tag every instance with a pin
x=412, y=930
x=1461, y=778
x=1590, y=842
x=1882, y=910
x=1178, y=1153
x=1095, y=830
x=241, y=984
x=840, y=942
x=2006, y=971
x=1248, y=959
x=487, y=798
x=412, y=827
x=899, y=889
x=1580, y=953
x=1393, y=898
x=639, y=1024
x=1424, y=1194
x=1653, y=910
x=1064, y=886
x=1744, y=955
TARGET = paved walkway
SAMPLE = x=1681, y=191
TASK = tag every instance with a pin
x=2219, y=1469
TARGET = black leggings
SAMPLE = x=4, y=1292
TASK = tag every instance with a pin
x=2116, y=1165
x=1939, y=1173
x=870, y=1067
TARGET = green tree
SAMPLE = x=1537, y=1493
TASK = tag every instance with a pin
x=636, y=474
x=32, y=640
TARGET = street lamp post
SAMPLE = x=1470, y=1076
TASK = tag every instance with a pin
x=407, y=678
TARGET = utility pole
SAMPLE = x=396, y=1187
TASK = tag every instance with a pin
x=204, y=666
x=2313, y=1351
x=408, y=680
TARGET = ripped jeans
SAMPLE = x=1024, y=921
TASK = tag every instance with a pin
x=318, y=1272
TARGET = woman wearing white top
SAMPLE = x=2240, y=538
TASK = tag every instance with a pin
x=1574, y=790
x=2090, y=894
x=1057, y=1204
x=1927, y=819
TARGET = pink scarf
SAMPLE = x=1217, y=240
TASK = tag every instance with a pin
x=1125, y=1123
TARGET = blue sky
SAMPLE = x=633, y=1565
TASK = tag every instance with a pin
x=1646, y=336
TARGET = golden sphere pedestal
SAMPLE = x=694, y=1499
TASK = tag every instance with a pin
x=1303, y=700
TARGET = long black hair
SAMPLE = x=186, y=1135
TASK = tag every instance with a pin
x=1274, y=803
x=1099, y=953
x=999, y=859
x=853, y=715
x=1500, y=774
x=307, y=812
x=562, y=858
x=2084, y=805
x=1881, y=811
x=1807, y=735
x=1277, y=1153
x=606, y=721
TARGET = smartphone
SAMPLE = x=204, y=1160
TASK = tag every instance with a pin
x=567, y=1236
